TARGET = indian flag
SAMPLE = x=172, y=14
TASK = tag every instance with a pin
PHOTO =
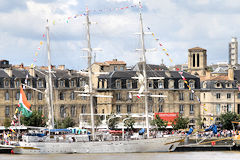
x=24, y=105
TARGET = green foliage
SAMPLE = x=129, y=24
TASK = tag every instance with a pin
x=36, y=119
x=159, y=123
x=65, y=123
x=112, y=122
x=129, y=123
x=7, y=122
x=227, y=118
x=180, y=123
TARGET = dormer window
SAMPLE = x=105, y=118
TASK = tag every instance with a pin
x=40, y=83
x=83, y=83
x=181, y=84
x=6, y=83
x=228, y=85
x=118, y=84
x=192, y=84
x=61, y=83
x=217, y=85
x=129, y=84
x=72, y=83
x=160, y=84
x=150, y=84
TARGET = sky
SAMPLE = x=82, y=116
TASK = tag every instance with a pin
x=177, y=24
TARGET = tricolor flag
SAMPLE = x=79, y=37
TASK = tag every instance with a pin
x=24, y=105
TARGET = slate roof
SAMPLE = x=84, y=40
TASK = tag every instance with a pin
x=19, y=73
x=165, y=74
x=211, y=84
x=3, y=74
x=150, y=67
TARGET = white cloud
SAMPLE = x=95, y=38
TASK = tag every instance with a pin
x=179, y=25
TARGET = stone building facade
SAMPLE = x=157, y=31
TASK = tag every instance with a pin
x=122, y=84
x=65, y=82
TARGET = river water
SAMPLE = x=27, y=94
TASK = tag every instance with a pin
x=219, y=155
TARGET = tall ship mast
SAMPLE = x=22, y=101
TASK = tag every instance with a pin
x=89, y=49
x=144, y=73
x=49, y=85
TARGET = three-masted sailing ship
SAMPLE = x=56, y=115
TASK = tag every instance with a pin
x=163, y=144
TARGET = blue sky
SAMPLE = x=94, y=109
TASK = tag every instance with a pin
x=178, y=24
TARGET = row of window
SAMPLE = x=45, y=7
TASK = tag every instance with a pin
x=160, y=84
x=129, y=96
x=223, y=108
x=160, y=108
x=41, y=83
x=40, y=96
x=63, y=113
x=28, y=95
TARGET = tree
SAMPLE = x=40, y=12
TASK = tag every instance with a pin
x=36, y=119
x=227, y=118
x=7, y=122
x=65, y=123
x=159, y=123
x=129, y=123
x=180, y=123
x=112, y=122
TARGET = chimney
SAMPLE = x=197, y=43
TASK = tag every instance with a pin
x=32, y=72
x=230, y=73
x=208, y=74
x=114, y=59
x=8, y=71
x=61, y=67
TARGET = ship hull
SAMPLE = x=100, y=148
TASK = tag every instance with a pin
x=164, y=144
